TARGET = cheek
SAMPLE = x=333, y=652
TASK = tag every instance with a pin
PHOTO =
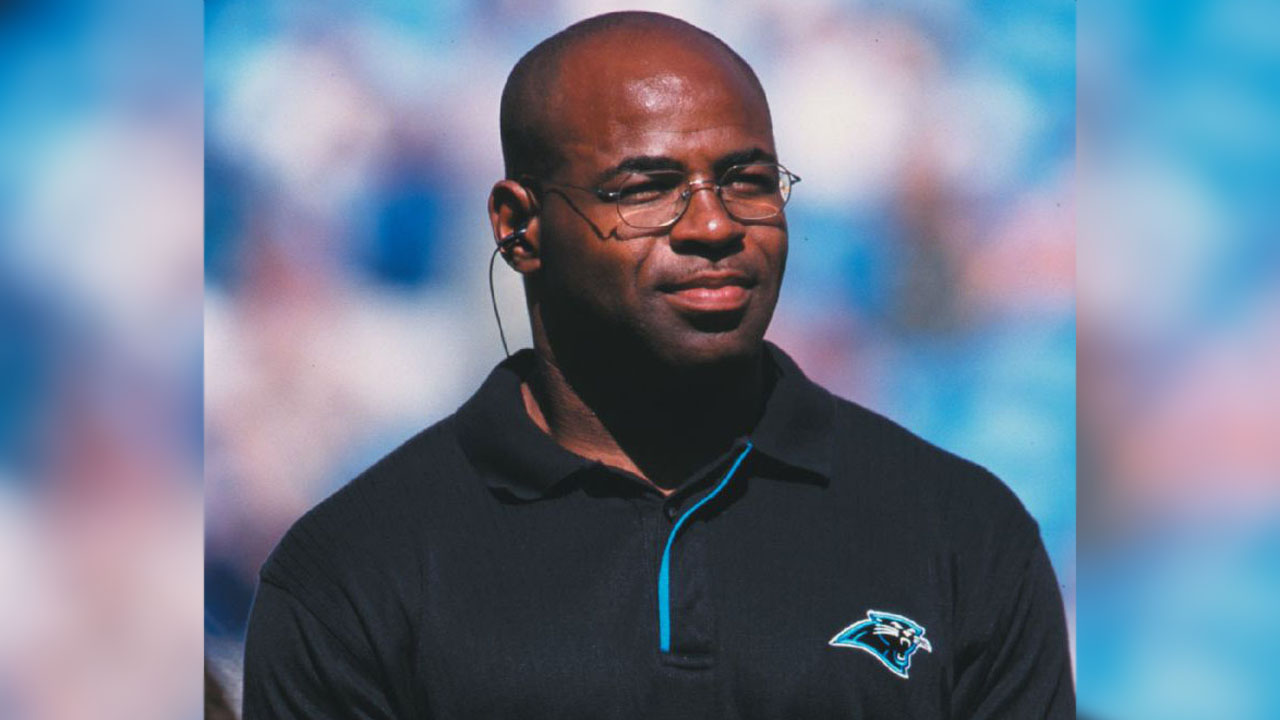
x=780, y=255
x=601, y=273
x=773, y=249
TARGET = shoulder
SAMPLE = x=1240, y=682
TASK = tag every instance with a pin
x=338, y=596
x=371, y=525
x=876, y=455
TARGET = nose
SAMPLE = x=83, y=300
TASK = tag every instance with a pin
x=705, y=221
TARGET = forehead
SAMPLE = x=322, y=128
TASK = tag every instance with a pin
x=618, y=97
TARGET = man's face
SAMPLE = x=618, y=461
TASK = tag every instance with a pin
x=702, y=290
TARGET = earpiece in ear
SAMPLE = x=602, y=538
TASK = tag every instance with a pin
x=512, y=238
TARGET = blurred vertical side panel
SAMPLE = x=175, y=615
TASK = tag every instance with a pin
x=100, y=359
x=1179, y=345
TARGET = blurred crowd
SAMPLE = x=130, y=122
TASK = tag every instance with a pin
x=955, y=177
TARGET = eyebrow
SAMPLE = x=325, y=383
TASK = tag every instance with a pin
x=649, y=163
x=742, y=157
x=638, y=164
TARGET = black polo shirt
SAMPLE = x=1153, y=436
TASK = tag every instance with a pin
x=829, y=565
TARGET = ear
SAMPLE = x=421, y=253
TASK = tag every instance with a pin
x=513, y=213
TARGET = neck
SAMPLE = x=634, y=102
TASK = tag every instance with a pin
x=658, y=422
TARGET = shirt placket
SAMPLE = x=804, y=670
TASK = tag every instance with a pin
x=686, y=618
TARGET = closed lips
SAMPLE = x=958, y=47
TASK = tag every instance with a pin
x=708, y=281
x=710, y=292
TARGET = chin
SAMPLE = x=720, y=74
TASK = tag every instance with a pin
x=695, y=349
x=709, y=339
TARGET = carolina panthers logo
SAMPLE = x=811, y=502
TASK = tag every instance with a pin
x=892, y=639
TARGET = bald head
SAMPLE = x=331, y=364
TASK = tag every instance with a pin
x=553, y=81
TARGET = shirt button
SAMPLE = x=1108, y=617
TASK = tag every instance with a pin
x=671, y=512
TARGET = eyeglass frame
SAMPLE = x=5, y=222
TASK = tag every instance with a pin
x=686, y=194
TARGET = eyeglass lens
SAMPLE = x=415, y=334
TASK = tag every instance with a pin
x=658, y=198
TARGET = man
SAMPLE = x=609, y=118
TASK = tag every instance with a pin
x=653, y=513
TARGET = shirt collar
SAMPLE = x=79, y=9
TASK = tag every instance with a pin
x=797, y=426
x=513, y=455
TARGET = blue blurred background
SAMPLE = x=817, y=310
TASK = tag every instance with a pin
x=1179, y=364
x=349, y=153
x=100, y=360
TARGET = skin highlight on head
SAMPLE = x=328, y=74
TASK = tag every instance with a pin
x=649, y=341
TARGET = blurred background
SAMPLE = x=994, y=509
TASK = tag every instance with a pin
x=100, y=360
x=349, y=153
x=1179, y=362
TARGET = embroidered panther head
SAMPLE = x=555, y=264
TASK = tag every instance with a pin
x=891, y=638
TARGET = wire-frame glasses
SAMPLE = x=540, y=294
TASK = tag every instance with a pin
x=656, y=199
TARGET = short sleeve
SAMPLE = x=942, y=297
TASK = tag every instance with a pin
x=298, y=667
x=1012, y=658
